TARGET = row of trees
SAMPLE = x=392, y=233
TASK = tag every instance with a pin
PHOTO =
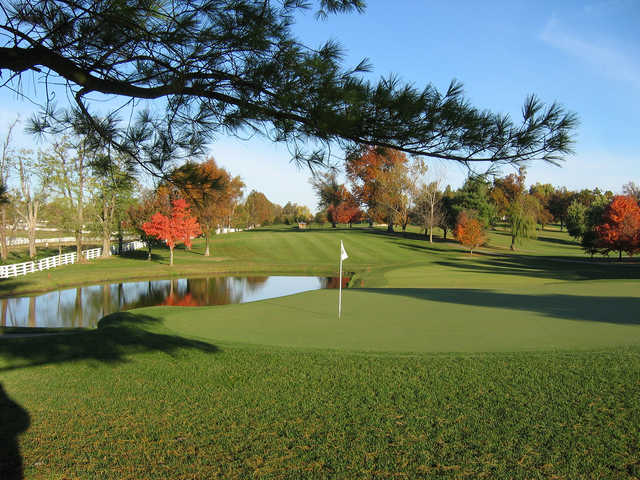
x=76, y=186
x=386, y=186
x=605, y=226
x=79, y=187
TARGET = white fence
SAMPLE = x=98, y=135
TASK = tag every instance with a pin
x=128, y=247
x=17, y=269
x=12, y=242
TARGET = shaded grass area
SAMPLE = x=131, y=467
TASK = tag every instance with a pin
x=152, y=405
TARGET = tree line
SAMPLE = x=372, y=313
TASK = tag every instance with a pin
x=386, y=186
x=79, y=187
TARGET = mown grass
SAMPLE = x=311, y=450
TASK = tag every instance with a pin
x=372, y=254
x=539, y=375
x=127, y=402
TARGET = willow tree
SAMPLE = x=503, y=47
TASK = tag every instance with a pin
x=522, y=218
x=182, y=72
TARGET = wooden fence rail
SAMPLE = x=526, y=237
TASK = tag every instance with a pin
x=18, y=269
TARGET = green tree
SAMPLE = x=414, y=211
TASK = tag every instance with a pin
x=68, y=170
x=576, y=219
x=229, y=65
x=559, y=202
x=114, y=182
x=522, y=219
x=448, y=212
x=261, y=210
x=474, y=196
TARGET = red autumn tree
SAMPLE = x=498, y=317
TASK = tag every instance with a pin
x=620, y=227
x=470, y=232
x=179, y=227
x=346, y=210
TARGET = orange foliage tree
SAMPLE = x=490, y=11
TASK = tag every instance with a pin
x=179, y=227
x=470, y=232
x=620, y=227
x=213, y=191
x=366, y=170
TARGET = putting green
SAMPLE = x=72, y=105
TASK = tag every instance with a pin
x=426, y=319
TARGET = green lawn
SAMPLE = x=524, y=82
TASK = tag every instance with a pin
x=444, y=365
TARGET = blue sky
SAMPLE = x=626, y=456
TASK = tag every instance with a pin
x=583, y=55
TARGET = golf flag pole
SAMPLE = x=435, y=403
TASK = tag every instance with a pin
x=343, y=256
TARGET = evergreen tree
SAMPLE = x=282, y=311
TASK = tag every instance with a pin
x=235, y=65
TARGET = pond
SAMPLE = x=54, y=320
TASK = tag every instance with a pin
x=84, y=306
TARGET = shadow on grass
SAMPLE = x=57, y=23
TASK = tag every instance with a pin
x=142, y=255
x=14, y=420
x=118, y=335
x=559, y=268
x=9, y=285
x=618, y=310
x=559, y=241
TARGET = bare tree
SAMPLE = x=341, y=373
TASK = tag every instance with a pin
x=427, y=201
x=31, y=194
x=67, y=167
x=5, y=164
x=632, y=189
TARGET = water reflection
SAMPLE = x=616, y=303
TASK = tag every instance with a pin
x=84, y=306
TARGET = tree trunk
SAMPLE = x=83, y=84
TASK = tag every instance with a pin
x=207, y=237
x=333, y=224
x=107, y=216
x=170, y=256
x=32, y=220
x=431, y=207
x=149, y=247
x=620, y=255
x=390, y=226
x=80, y=206
x=370, y=223
x=79, y=256
x=513, y=242
x=4, y=248
x=444, y=233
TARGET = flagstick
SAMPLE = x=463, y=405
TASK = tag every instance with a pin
x=340, y=296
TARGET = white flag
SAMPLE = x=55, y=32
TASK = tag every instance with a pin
x=343, y=252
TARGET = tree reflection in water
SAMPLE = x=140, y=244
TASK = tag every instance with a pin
x=84, y=306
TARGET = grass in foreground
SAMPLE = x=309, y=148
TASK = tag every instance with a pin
x=132, y=400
